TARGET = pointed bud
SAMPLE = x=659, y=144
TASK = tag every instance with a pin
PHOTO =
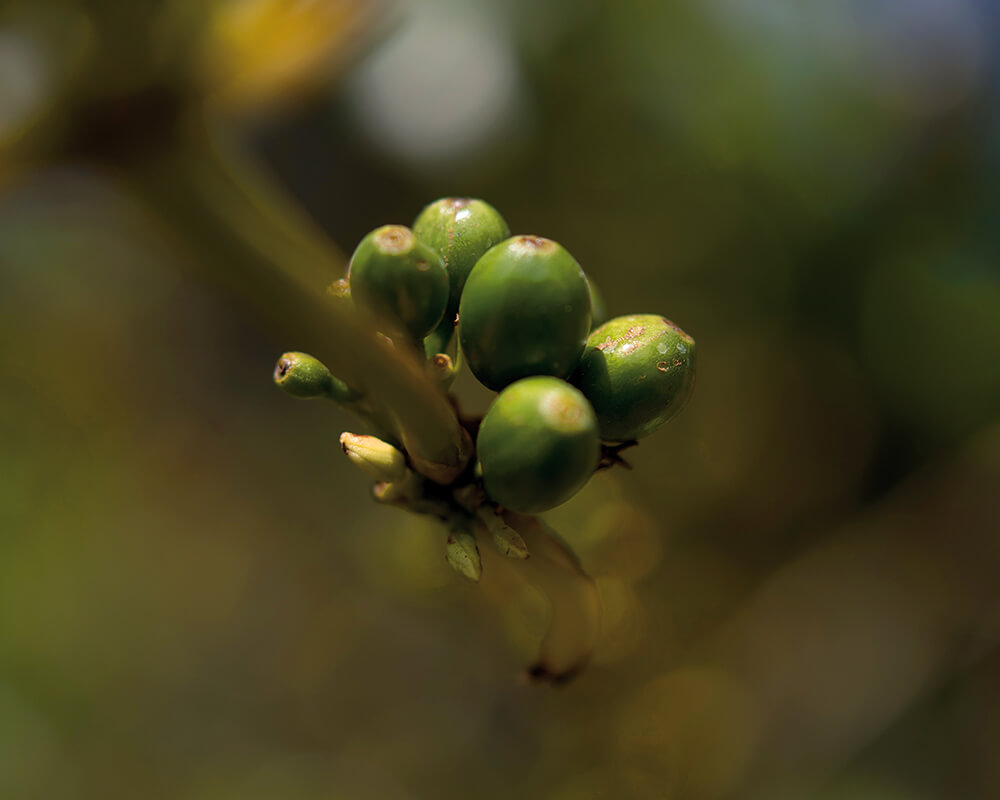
x=507, y=540
x=463, y=554
x=377, y=459
x=303, y=375
x=509, y=543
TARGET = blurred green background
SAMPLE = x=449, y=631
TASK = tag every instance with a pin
x=197, y=598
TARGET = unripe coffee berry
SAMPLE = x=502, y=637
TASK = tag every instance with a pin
x=538, y=444
x=525, y=311
x=399, y=279
x=460, y=230
x=637, y=371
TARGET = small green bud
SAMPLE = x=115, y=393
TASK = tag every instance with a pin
x=598, y=308
x=507, y=540
x=303, y=375
x=463, y=554
x=460, y=229
x=400, y=279
x=638, y=372
x=525, y=311
x=377, y=459
x=538, y=445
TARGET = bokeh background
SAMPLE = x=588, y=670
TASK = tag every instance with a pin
x=800, y=576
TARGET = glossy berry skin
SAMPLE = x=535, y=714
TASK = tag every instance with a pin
x=538, y=444
x=525, y=311
x=637, y=371
x=460, y=229
x=399, y=279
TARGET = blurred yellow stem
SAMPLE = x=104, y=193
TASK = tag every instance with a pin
x=254, y=243
x=574, y=605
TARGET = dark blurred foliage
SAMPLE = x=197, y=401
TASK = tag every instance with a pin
x=197, y=599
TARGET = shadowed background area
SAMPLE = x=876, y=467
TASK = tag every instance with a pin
x=799, y=577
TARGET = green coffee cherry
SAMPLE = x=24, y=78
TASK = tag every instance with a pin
x=303, y=375
x=460, y=229
x=525, y=311
x=638, y=372
x=538, y=444
x=400, y=279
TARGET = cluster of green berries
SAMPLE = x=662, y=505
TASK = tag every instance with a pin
x=530, y=326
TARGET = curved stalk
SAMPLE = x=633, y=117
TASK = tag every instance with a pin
x=575, y=609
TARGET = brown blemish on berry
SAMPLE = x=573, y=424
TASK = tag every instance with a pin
x=632, y=333
x=562, y=412
x=281, y=368
x=530, y=244
x=567, y=413
x=661, y=366
x=394, y=239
